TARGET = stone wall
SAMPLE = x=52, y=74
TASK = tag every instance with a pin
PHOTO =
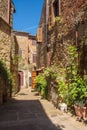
x=27, y=49
x=69, y=29
x=42, y=47
x=32, y=49
x=4, y=9
x=23, y=43
x=53, y=92
x=5, y=42
x=14, y=62
x=70, y=9
x=8, y=51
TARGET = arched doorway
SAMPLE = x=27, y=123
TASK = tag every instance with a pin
x=20, y=79
x=29, y=79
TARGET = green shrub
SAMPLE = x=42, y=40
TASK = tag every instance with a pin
x=78, y=90
x=75, y=91
x=7, y=79
x=62, y=90
x=41, y=85
x=50, y=72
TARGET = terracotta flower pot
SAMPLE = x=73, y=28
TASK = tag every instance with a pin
x=78, y=111
x=84, y=112
x=81, y=112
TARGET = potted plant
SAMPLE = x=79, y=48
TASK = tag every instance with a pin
x=75, y=94
x=80, y=110
x=81, y=98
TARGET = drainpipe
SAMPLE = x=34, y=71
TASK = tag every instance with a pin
x=46, y=32
x=76, y=38
x=77, y=35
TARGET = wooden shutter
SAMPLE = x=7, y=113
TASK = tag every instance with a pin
x=50, y=15
x=34, y=74
x=39, y=34
x=34, y=58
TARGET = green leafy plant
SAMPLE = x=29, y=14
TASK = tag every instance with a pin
x=50, y=72
x=41, y=85
x=7, y=78
x=78, y=90
x=72, y=65
x=75, y=91
x=72, y=88
x=62, y=90
x=58, y=19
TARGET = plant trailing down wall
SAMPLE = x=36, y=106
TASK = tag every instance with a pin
x=7, y=81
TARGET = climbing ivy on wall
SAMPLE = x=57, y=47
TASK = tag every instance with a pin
x=6, y=77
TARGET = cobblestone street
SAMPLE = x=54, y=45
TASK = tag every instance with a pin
x=27, y=111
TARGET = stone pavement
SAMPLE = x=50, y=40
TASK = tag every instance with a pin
x=27, y=111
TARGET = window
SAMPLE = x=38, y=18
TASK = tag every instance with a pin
x=56, y=6
x=50, y=15
x=28, y=60
x=20, y=52
x=33, y=42
x=34, y=58
x=28, y=49
x=39, y=35
x=54, y=11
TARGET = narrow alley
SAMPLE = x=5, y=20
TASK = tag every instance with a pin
x=43, y=44
x=27, y=111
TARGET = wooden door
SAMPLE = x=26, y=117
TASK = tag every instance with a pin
x=34, y=74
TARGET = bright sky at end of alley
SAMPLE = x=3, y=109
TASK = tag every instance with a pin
x=27, y=15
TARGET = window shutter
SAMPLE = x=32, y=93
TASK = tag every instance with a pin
x=39, y=34
x=34, y=58
x=50, y=15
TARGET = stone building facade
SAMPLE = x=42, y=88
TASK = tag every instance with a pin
x=6, y=11
x=27, y=57
x=65, y=25
x=8, y=48
x=32, y=50
x=42, y=44
x=63, y=22
x=69, y=30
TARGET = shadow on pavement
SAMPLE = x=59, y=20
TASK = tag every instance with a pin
x=25, y=115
